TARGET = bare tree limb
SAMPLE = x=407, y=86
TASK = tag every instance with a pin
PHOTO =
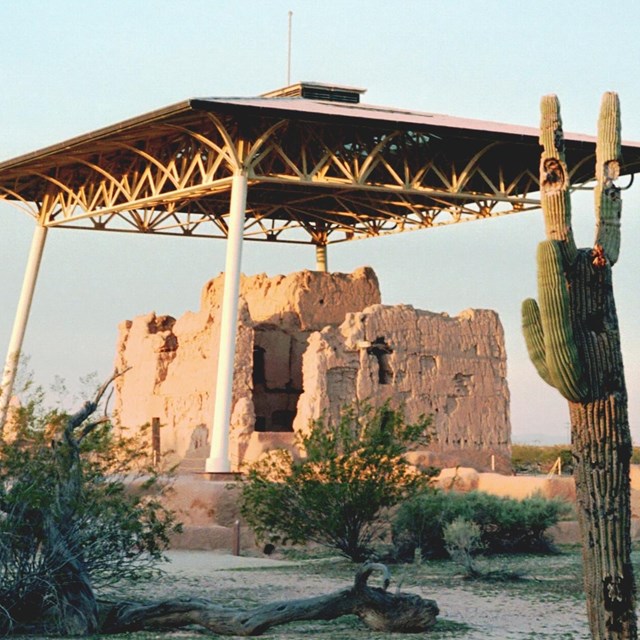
x=88, y=409
x=378, y=609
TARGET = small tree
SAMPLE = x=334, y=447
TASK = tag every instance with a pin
x=338, y=495
x=68, y=524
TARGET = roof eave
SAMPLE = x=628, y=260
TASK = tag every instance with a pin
x=98, y=134
x=283, y=109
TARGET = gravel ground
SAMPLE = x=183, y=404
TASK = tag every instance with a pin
x=469, y=610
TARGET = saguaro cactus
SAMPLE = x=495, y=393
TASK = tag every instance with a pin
x=573, y=340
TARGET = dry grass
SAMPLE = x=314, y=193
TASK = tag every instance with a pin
x=527, y=458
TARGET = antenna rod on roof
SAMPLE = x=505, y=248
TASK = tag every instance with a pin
x=289, y=51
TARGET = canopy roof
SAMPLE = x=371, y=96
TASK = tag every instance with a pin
x=321, y=167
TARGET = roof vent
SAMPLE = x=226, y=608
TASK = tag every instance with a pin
x=318, y=91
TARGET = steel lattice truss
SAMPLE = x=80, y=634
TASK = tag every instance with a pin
x=316, y=181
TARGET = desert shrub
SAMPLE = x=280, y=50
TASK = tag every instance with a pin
x=462, y=540
x=65, y=512
x=506, y=525
x=418, y=524
x=339, y=494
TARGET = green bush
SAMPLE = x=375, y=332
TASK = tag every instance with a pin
x=506, y=525
x=339, y=494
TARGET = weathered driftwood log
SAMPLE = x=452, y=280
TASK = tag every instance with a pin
x=377, y=608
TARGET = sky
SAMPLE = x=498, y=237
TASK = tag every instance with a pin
x=71, y=66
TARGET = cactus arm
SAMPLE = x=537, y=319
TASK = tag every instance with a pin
x=562, y=357
x=554, y=178
x=534, y=338
x=608, y=204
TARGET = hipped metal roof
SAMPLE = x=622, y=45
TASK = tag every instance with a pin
x=319, y=171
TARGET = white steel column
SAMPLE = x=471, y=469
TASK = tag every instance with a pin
x=321, y=258
x=20, y=321
x=218, y=460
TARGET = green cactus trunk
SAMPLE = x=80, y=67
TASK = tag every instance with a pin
x=574, y=342
x=602, y=450
x=600, y=437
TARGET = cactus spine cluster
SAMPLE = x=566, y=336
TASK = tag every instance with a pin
x=573, y=341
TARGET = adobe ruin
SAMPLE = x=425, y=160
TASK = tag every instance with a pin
x=308, y=344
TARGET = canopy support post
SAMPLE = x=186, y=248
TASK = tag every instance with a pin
x=321, y=258
x=20, y=321
x=218, y=460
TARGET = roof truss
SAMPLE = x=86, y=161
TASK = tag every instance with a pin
x=309, y=181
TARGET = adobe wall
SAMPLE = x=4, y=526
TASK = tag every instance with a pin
x=209, y=509
x=173, y=362
x=310, y=343
x=451, y=368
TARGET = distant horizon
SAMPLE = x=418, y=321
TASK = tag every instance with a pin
x=541, y=443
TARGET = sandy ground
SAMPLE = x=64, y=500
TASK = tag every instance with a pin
x=491, y=613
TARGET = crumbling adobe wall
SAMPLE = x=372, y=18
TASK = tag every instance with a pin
x=174, y=362
x=310, y=343
x=171, y=376
x=452, y=368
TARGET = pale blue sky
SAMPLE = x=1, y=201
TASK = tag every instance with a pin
x=68, y=67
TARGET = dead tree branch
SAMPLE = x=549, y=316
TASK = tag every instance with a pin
x=378, y=609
